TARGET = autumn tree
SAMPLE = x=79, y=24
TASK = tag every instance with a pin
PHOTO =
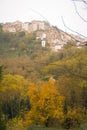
x=84, y=96
x=12, y=92
x=1, y=72
x=2, y=121
x=46, y=105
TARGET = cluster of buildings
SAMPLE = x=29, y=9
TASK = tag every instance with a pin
x=27, y=26
x=55, y=37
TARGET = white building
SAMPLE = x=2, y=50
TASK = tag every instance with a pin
x=43, y=36
x=43, y=40
x=25, y=26
x=43, y=43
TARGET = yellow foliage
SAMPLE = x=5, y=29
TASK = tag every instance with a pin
x=13, y=85
x=15, y=124
x=74, y=114
x=45, y=102
x=33, y=94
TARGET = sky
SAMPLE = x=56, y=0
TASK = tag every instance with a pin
x=56, y=12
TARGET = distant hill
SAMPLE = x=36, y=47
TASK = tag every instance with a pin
x=55, y=38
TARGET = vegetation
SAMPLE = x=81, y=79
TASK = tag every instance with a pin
x=41, y=89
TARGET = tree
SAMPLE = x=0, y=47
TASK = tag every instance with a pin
x=2, y=121
x=73, y=67
x=1, y=28
x=22, y=46
x=84, y=96
x=12, y=91
x=46, y=105
x=1, y=72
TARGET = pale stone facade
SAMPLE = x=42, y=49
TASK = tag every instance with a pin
x=8, y=28
x=29, y=27
x=12, y=27
x=25, y=26
x=40, y=25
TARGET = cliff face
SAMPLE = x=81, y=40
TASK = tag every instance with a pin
x=55, y=37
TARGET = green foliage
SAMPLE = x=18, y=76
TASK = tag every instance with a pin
x=14, y=42
x=69, y=44
x=1, y=72
x=11, y=93
x=1, y=28
x=72, y=119
x=2, y=125
x=15, y=124
x=4, y=37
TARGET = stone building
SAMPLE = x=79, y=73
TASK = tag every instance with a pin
x=12, y=27
x=27, y=27
x=40, y=25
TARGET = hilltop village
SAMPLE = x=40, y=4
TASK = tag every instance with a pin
x=55, y=37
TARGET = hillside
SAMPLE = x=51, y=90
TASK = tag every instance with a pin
x=42, y=87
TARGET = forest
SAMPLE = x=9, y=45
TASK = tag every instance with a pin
x=41, y=89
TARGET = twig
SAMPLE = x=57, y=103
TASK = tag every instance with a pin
x=78, y=12
x=73, y=30
x=35, y=11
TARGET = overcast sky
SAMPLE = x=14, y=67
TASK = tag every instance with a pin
x=50, y=10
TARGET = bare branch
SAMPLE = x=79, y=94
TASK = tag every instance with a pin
x=73, y=30
x=84, y=1
x=38, y=13
x=78, y=11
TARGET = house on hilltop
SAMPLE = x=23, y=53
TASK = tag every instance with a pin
x=27, y=27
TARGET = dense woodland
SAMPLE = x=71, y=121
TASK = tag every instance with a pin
x=39, y=87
